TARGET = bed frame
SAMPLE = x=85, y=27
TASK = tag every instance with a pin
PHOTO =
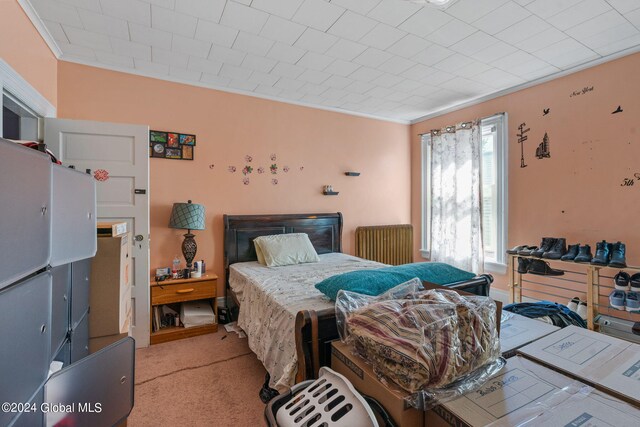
x=314, y=330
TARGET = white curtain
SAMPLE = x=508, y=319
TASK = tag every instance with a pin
x=456, y=219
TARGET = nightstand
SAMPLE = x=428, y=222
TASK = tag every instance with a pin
x=180, y=290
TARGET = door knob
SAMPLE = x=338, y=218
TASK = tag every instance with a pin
x=139, y=238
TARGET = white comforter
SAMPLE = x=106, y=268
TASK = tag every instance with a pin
x=270, y=298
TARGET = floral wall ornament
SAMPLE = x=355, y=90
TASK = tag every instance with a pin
x=274, y=169
x=231, y=169
x=245, y=181
x=247, y=170
x=211, y=166
x=273, y=157
x=274, y=181
x=248, y=158
x=101, y=175
x=260, y=170
x=285, y=169
x=301, y=168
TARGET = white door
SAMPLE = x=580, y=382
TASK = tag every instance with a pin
x=118, y=156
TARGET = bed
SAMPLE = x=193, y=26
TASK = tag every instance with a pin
x=289, y=324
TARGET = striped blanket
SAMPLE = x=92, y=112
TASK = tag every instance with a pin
x=427, y=340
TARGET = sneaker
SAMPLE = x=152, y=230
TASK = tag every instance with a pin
x=616, y=299
x=635, y=282
x=633, y=302
x=621, y=281
x=582, y=310
x=573, y=304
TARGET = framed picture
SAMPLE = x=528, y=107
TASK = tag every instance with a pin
x=173, y=140
x=158, y=149
x=173, y=153
x=187, y=152
x=158, y=136
x=186, y=139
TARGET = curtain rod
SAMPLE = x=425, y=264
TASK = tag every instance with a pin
x=482, y=118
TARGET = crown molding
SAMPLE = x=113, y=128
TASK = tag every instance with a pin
x=42, y=29
x=545, y=79
x=230, y=90
x=17, y=86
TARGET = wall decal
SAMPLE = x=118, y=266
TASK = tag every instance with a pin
x=285, y=169
x=245, y=181
x=618, y=110
x=231, y=169
x=273, y=157
x=247, y=170
x=521, y=139
x=248, y=158
x=628, y=182
x=546, y=111
x=261, y=170
x=211, y=166
x=542, y=151
x=274, y=169
x=301, y=168
x=274, y=181
x=101, y=175
x=582, y=91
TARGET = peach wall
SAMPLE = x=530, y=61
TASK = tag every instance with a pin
x=229, y=127
x=577, y=193
x=22, y=47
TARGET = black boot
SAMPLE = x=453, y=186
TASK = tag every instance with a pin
x=523, y=265
x=584, y=254
x=527, y=250
x=572, y=253
x=546, y=244
x=557, y=250
x=618, y=256
x=516, y=249
x=603, y=253
x=542, y=268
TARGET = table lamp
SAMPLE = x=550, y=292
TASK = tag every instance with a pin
x=188, y=216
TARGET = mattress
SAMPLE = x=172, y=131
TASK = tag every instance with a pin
x=270, y=298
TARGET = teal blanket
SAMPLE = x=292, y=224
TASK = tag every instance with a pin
x=379, y=280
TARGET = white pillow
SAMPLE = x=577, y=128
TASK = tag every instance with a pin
x=286, y=249
x=259, y=253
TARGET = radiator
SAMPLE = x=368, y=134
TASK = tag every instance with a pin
x=389, y=244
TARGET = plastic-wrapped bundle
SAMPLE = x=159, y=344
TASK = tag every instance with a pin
x=422, y=340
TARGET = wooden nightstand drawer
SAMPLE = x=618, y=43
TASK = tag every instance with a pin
x=179, y=292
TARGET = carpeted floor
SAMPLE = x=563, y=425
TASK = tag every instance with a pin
x=199, y=381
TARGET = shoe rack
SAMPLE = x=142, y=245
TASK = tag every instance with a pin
x=593, y=280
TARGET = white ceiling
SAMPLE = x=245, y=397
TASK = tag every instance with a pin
x=386, y=58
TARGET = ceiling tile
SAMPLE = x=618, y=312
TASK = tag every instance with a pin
x=466, y=86
x=292, y=94
x=494, y=52
x=268, y=90
x=286, y=83
x=99, y=23
x=365, y=74
x=475, y=42
x=259, y=63
x=114, y=60
x=452, y=32
x=315, y=61
x=283, y=8
x=313, y=89
x=263, y=78
x=214, y=79
x=233, y=72
x=226, y=55
x=87, y=38
x=56, y=31
x=361, y=6
x=56, y=12
x=396, y=65
x=352, y=26
x=334, y=94
x=242, y=84
x=250, y=43
x=338, y=82
x=93, y=5
x=594, y=26
x=382, y=36
x=215, y=33
x=243, y=18
x=393, y=12
x=151, y=67
x=127, y=48
x=131, y=10
x=523, y=30
x=163, y=56
x=167, y=4
x=609, y=35
x=425, y=21
x=183, y=74
x=435, y=77
x=501, y=18
x=315, y=40
x=346, y=50
x=204, y=65
x=75, y=51
x=408, y=86
x=472, y=69
x=341, y=68
x=471, y=10
x=498, y=79
x=547, y=8
x=360, y=87
x=372, y=57
x=433, y=54
x=417, y=72
x=282, y=30
x=634, y=17
x=210, y=10
x=286, y=53
x=566, y=53
x=630, y=42
x=318, y=14
x=150, y=36
x=579, y=13
x=542, y=40
x=189, y=46
x=409, y=46
x=387, y=80
x=624, y=6
x=179, y=23
x=287, y=70
x=314, y=76
x=453, y=62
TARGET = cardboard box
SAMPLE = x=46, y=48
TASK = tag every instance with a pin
x=97, y=344
x=356, y=370
x=607, y=363
x=111, y=229
x=110, y=288
x=517, y=331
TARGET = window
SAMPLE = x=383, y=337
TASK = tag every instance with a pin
x=18, y=121
x=493, y=175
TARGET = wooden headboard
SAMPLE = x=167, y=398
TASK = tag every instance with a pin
x=324, y=230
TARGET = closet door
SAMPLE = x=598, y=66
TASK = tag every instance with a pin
x=25, y=228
